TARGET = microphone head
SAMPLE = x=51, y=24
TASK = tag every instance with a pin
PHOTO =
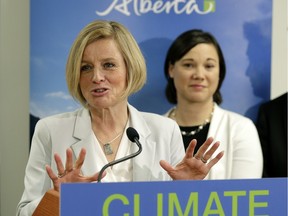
x=132, y=134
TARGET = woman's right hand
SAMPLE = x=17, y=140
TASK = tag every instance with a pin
x=71, y=172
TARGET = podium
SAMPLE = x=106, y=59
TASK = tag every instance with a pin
x=206, y=197
x=49, y=205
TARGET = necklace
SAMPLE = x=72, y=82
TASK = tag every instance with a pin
x=198, y=129
x=193, y=132
x=107, y=146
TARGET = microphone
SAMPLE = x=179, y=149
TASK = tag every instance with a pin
x=133, y=136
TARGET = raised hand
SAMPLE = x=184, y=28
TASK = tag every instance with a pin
x=69, y=173
x=197, y=166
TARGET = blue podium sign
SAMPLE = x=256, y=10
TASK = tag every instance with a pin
x=249, y=197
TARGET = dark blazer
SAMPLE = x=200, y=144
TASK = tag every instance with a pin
x=272, y=128
x=33, y=122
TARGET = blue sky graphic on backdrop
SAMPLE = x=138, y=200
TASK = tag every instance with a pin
x=243, y=29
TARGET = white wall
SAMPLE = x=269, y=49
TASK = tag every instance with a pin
x=14, y=90
x=14, y=101
x=279, y=48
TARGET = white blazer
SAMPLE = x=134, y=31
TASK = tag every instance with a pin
x=160, y=138
x=241, y=145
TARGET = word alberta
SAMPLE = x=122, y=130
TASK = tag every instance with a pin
x=172, y=204
x=141, y=7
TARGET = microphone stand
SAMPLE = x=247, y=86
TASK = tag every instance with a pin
x=121, y=159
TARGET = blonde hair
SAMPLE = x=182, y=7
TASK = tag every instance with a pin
x=99, y=29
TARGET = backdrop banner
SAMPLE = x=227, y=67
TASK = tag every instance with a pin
x=243, y=29
x=212, y=197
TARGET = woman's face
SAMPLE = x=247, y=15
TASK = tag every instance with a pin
x=196, y=75
x=103, y=74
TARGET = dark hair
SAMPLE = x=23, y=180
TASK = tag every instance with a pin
x=180, y=46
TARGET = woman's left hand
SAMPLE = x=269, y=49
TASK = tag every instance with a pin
x=194, y=167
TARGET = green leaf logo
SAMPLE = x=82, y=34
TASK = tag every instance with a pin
x=209, y=6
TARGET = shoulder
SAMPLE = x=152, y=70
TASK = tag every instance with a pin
x=151, y=121
x=275, y=103
x=158, y=120
x=232, y=117
x=273, y=112
x=63, y=118
x=234, y=126
x=168, y=113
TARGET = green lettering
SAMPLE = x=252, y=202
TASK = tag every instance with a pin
x=253, y=204
x=105, y=209
x=219, y=209
x=173, y=201
x=136, y=204
x=160, y=204
x=235, y=195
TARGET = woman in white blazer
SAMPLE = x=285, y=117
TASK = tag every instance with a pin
x=104, y=67
x=195, y=69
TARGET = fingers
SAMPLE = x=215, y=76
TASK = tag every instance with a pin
x=166, y=166
x=190, y=149
x=69, y=163
x=69, y=160
x=53, y=177
x=60, y=167
x=50, y=173
x=62, y=171
x=215, y=160
x=79, y=162
x=95, y=177
x=203, y=148
x=207, y=155
x=206, y=151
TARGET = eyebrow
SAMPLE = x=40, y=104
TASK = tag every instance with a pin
x=104, y=59
x=192, y=59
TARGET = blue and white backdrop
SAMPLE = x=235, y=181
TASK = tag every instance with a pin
x=243, y=29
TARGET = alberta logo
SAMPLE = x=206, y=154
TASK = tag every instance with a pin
x=142, y=7
x=209, y=5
